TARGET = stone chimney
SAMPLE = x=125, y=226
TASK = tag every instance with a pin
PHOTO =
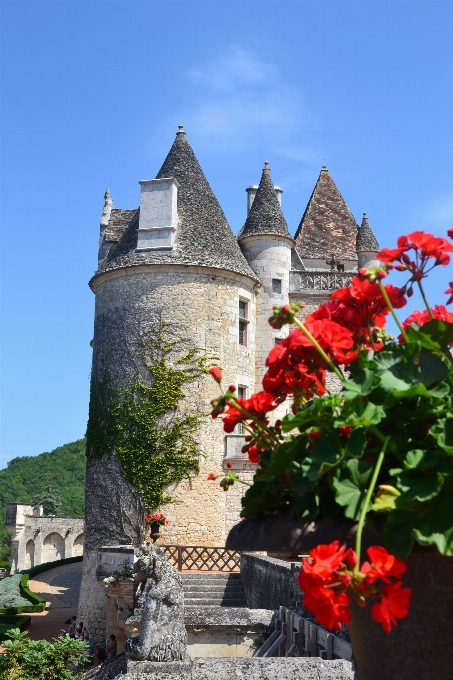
x=251, y=193
x=158, y=214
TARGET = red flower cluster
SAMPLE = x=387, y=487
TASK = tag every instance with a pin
x=424, y=247
x=420, y=318
x=296, y=367
x=360, y=308
x=156, y=518
x=331, y=571
x=256, y=407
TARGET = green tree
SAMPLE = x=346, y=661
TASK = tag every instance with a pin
x=50, y=499
x=25, y=659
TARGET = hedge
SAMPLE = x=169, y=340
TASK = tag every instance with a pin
x=37, y=604
x=9, y=622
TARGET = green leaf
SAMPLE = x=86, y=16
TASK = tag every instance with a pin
x=434, y=335
x=431, y=523
x=325, y=454
x=359, y=384
x=350, y=489
x=442, y=431
x=363, y=415
x=385, y=499
x=419, y=485
x=282, y=456
x=356, y=442
x=420, y=458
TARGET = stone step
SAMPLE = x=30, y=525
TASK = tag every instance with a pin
x=205, y=578
x=212, y=587
x=211, y=602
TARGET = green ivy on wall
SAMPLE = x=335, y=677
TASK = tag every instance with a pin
x=153, y=434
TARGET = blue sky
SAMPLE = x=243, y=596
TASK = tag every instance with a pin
x=92, y=92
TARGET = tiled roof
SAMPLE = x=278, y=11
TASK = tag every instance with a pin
x=366, y=240
x=118, y=221
x=265, y=216
x=327, y=226
x=204, y=237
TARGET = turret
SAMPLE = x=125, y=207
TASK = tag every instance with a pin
x=366, y=245
x=266, y=244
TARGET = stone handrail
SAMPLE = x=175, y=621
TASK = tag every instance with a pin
x=318, y=282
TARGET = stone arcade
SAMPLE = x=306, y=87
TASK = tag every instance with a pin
x=175, y=259
x=36, y=539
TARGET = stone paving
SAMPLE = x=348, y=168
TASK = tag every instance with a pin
x=60, y=588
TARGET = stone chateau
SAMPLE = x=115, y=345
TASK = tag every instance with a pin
x=36, y=539
x=176, y=259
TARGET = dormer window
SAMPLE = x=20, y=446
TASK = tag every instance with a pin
x=243, y=322
x=158, y=214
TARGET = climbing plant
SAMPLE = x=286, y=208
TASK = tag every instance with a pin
x=145, y=421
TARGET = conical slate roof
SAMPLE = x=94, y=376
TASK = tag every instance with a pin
x=265, y=216
x=204, y=237
x=366, y=240
x=327, y=226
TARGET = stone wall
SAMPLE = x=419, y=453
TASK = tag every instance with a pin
x=36, y=539
x=269, y=582
x=202, y=305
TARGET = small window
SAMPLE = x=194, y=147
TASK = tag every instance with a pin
x=277, y=341
x=243, y=322
x=242, y=394
x=276, y=285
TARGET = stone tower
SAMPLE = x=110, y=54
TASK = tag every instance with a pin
x=266, y=244
x=176, y=260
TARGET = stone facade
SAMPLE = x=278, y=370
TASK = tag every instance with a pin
x=215, y=292
x=36, y=539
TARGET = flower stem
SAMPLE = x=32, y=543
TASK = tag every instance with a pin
x=358, y=538
x=249, y=416
x=390, y=306
x=318, y=347
x=370, y=334
x=425, y=300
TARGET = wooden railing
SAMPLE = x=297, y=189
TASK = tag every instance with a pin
x=296, y=636
x=202, y=558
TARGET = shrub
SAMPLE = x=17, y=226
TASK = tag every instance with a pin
x=25, y=659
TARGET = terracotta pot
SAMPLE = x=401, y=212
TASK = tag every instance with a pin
x=419, y=648
x=154, y=534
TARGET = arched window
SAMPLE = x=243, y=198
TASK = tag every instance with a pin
x=53, y=548
x=29, y=554
x=77, y=547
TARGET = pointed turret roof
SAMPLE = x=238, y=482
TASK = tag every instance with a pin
x=327, y=226
x=204, y=237
x=265, y=216
x=366, y=240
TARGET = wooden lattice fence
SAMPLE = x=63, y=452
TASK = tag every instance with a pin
x=203, y=558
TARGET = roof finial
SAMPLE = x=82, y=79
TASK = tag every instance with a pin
x=324, y=167
x=181, y=131
x=266, y=165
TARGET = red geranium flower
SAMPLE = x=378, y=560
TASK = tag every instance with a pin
x=329, y=607
x=393, y=605
x=424, y=247
x=216, y=374
x=326, y=559
x=383, y=565
x=449, y=292
x=258, y=405
x=420, y=318
x=212, y=475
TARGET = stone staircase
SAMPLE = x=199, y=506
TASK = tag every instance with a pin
x=210, y=589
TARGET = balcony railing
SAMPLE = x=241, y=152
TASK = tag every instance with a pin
x=318, y=282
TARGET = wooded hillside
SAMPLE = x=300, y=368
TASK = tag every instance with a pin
x=26, y=477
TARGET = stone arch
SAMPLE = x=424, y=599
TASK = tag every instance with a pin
x=29, y=554
x=53, y=547
x=77, y=546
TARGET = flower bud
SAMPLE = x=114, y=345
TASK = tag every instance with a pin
x=232, y=388
x=346, y=579
x=216, y=373
x=229, y=465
